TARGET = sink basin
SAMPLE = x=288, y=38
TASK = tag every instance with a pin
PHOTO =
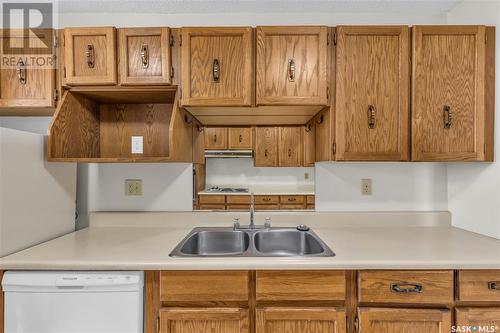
x=272, y=242
x=216, y=243
x=287, y=243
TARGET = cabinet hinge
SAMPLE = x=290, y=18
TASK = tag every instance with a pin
x=172, y=72
x=171, y=40
x=334, y=148
x=56, y=95
x=158, y=324
x=335, y=39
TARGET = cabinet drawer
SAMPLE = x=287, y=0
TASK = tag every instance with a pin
x=212, y=199
x=238, y=207
x=212, y=207
x=203, y=286
x=292, y=199
x=477, y=286
x=266, y=199
x=267, y=207
x=289, y=207
x=300, y=285
x=421, y=287
x=310, y=199
x=238, y=199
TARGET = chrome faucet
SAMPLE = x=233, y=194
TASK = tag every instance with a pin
x=252, y=212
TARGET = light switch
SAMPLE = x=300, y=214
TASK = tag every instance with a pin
x=137, y=144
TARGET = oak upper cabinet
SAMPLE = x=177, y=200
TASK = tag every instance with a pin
x=216, y=137
x=197, y=320
x=299, y=320
x=27, y=75
x=290, y=146
x=90, y=56
x=266, y=147
x=144, y=56
x=292, y=65
x=217, y=66
x=450, y=121
x=240, y=138
x=372, y=93
x=383, y=320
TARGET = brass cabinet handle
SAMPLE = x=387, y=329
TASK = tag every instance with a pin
x=292, y=199
x=447, y=116
x=215, y=137
x=289, y=152
x=291, y=70
x=21, y=71
x=265, y=152
x=240, y=138
x=494, y=285
x=145, y=55
x=90, y=54
x=406, y=288
x=371, y=116
x=266, y=199
x=216, y=70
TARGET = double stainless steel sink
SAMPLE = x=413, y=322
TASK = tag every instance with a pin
x=267, y=242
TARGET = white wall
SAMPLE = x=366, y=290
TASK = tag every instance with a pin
x=474, y=189
x=395, y=186
x=228, y=171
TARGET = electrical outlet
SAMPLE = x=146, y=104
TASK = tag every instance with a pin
x=133, y=187
x=366, y=186
x=306, y=175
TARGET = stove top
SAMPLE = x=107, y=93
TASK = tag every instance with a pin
x=227, y=189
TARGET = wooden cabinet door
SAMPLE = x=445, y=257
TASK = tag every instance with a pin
x=292, y=65
x=240, y=138
x=324, y=128
x=27, y=76
x=300, y=320
x=309, y=135
x=489, y=317
x=266, y=146
x=372, y=102
x=448, y=97
x=90, y=56
x=144, y=56
x=215, y=137
x=198, y=143
x=217, y=66
x=290, y=146
x=204, y=320
x=384, y=320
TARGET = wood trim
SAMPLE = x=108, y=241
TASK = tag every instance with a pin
x=490, y=95
x=151, y=300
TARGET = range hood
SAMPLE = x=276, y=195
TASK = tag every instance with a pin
x=229, y=153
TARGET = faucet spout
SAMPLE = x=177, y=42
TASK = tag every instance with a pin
x=252, y=212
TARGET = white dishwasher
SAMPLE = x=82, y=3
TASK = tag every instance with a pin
x=84, y=302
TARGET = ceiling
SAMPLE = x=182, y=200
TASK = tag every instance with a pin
x=418, y=7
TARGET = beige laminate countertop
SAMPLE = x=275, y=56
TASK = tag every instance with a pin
x=136, y=242
x=266, y=190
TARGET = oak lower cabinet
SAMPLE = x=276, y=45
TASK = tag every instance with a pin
x=387, y=320
x=300, y=320
x=144, y=56
x=204, y=320
x=27, y=75
x=372, y=93
x=217, y=66
x=90, y=56
x=292, y=65
x=452, y=106
x=489, y=317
